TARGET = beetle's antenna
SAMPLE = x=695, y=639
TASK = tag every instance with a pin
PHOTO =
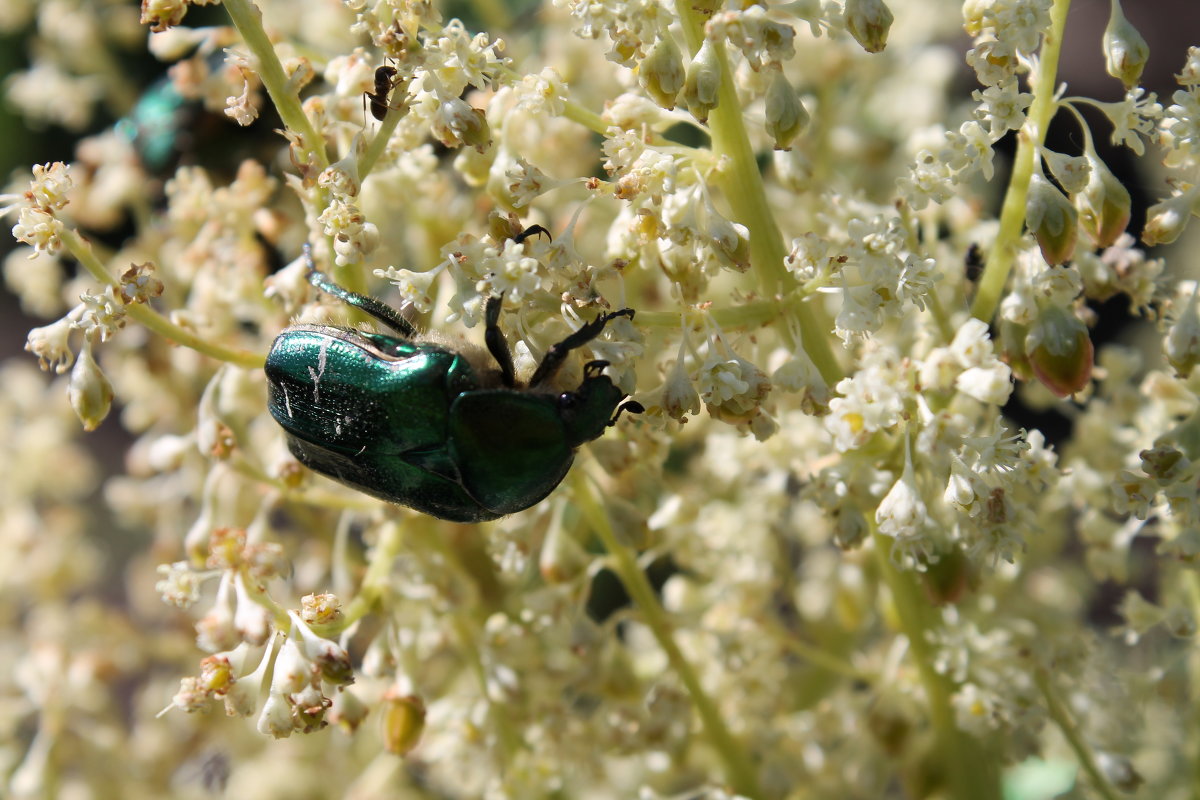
x=557, y=354
x=380, y=311
x=497, y=345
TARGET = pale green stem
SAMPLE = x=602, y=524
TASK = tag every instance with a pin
x=742, y=186
x=816, y=656
x=494, y=13
x=378, y=144
x=940, y=317
x=258, y=593
x=738, y=768
x=1191, y=586
x=311, y=496
x=969, y=774
x=247, y=18
x=1029, y=140
x=1062, y=718
x=151, y=319
x=507, y=738
x=375, y=581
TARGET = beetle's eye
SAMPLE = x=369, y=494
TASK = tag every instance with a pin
x=567, y=400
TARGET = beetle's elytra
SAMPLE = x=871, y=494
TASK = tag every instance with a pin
x=430, y=427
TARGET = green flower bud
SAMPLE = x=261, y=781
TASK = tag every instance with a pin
x=90, y=392
x=868, y=22
x=1125, y=51
x=1103, y=204
x=786, y=115
x=1060, y=351
x=1182, y=342
x=1166, y=219
x=661, y=71
x=1052, y=220
x=703, y=82
x=562, y=558
x=403, y=722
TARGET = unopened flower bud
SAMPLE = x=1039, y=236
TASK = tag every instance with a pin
x=561, y=558
x=403, y=722
x=786, y=115
x=869, y=22
x=1060, y=351
x=1052, y=220
x=703, y=82
x=456, y=124
x=1182, y=342
x=347, y=711
x=1103, y=204
x=1071, y=172
x=1166, y=219
x=1165, y=463
x=90, y=392
x=51, y=344
x=1125, y=51
x=276, y=717
x=661, y=71
x=679, y=396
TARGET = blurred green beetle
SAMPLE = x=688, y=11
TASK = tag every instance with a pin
x=430, y=427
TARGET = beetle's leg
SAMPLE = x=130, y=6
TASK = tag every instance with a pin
x=497, y=345
x=379, y=310
x=632, y=406
x=557, y=354
x=532, y=230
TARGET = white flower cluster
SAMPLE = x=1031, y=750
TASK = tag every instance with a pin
x=828, y=549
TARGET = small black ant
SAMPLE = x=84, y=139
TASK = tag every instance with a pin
x=386, y=79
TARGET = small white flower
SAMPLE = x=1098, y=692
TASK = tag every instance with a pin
x=414, y=286
x=180, y=584
x=50, y=186
x=40, y=230
x=51, y=344
x=240, y=108
x=101, y=315
x=991, y=384
x=902, y=513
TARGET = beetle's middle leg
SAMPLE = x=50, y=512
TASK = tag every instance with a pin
x=379, y=310
x=497, y=345
x=557, y=354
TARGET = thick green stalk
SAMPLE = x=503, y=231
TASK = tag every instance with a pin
x=1029, y=140
x=247, y=18
x=151, y=319
x=970, y=773
x=1062, y=718
x=742, y=185
x=738, y=768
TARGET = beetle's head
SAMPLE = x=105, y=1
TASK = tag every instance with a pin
x=591, y=408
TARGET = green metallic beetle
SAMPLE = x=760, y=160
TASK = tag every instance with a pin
x=430, y=427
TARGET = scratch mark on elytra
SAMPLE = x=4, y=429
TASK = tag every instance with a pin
x=287, y=402
x=319, y=372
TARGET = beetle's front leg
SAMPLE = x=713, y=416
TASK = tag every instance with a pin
x=557, y=354
x=497, y=345
x=380, y=311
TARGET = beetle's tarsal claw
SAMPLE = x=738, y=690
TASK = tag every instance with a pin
x=593, y=368
x=532, y=230
x=557, y=354
x=632, y=406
